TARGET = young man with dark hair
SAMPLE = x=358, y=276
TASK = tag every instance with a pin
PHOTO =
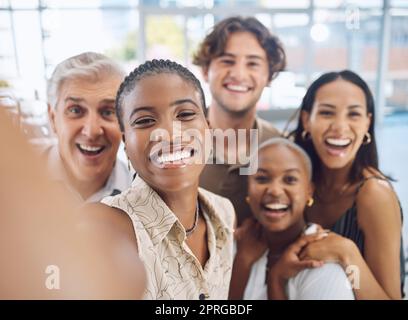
x=239, y=58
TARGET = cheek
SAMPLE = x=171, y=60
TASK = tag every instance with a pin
x=254, y=193
x=113, y=133
x=135, y=146
x=299, y=197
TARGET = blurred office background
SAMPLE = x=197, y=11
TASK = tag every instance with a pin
x=367, y=36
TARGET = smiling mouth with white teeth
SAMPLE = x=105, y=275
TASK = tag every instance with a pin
x=340, y=143
x=90, y=150
x=175, y=159
x=237, y=88
x=275, y=210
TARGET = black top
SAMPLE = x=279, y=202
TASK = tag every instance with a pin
x=347, y=226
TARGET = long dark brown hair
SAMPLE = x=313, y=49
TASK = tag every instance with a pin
x=367, y=155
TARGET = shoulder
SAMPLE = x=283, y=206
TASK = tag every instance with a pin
x=106, y=223
x=266, y=130
x=375, y=190
x=376, y=199
x=327, y=282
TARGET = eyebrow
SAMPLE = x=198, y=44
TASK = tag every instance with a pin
x=328, y=105
x=287, y=170
x=79, y=100
x=250, y=56
x=74, y=99
x=173, y=104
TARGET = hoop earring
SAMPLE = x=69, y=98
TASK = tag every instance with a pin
x=310, y=202
x=305, y=135
x=368, y=140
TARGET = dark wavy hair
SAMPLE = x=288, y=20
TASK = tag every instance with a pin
x=367, y=155
x=214, y=43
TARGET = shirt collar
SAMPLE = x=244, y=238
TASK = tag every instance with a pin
x=157, y=218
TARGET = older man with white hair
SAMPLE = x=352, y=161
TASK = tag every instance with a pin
x=81, y=109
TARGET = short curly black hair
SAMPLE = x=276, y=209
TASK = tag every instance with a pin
x=214, y=43
x=150, y=68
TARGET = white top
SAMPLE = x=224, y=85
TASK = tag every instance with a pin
x=328, y=282
x=120, y=178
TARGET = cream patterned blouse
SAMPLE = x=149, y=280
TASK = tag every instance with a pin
x=173, y=271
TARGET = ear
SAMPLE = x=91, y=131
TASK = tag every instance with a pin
x=311, y=189
x=305, y=117
x=51, y=117
x=204, y=72
x=370, y=118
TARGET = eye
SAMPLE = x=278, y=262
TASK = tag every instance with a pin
x=108, y=113
x=74, y=111
x=186, y=115
x=228, y=62
x=261, y=179
x=253, y=64
x=325, y=113
x=290, y=179
x=143, y=122
x=355, y=114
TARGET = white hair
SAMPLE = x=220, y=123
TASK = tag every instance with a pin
x=88, y=65
x=290, y=144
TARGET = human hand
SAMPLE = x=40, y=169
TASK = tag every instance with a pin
x=334, y=248
x=290, y=264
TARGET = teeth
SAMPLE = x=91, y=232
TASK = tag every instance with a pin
x=338, y=142
x=90, y=148
x=276, y=206
x=176, y=156
x=236, y=87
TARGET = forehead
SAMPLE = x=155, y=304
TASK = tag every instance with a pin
x=341, y=92
x=90, y=89
x=235, y=45
x=161, y=89
x=279, y=157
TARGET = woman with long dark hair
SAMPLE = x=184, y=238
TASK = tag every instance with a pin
x=352, y=196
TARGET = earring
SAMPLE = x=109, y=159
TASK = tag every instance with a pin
x=247, y=199
x=305, y=135
x=368, y=140
x=310, y=202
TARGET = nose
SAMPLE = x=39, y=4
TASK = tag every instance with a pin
x=92, y=127
x=169, y=132
x=238, y=70
x=339, y=124
x=274, y=189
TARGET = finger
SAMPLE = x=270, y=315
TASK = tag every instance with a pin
x=300, y=243
x=309, y=264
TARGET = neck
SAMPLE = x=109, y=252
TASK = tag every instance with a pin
x=335, y=179
x=279, y=241
x=222, y=119
x=183, y=203
x=86, y=188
